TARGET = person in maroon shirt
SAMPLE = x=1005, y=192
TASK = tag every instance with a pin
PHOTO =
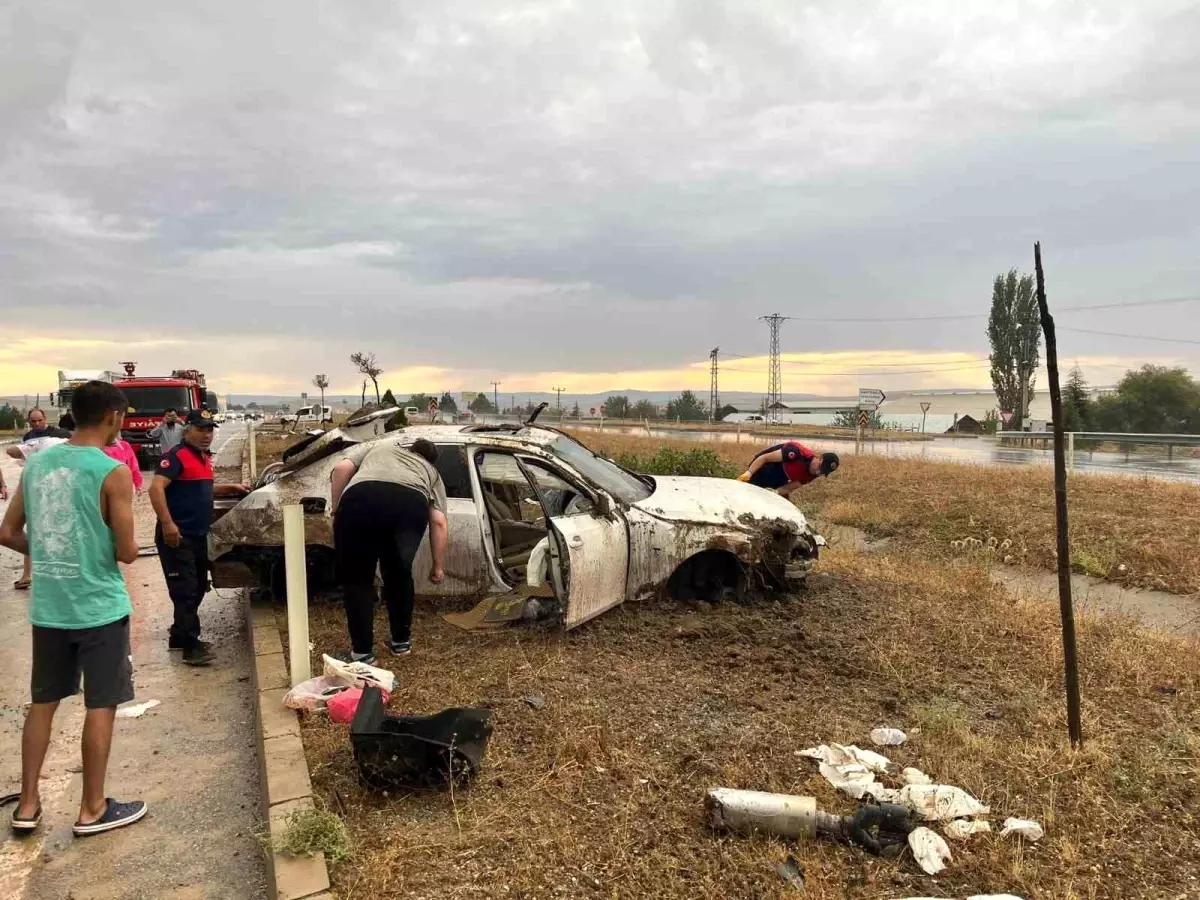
x=785, y=467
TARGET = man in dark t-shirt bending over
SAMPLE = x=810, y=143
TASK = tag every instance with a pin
x=785, y=467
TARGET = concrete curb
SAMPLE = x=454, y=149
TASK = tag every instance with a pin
x=282, y=768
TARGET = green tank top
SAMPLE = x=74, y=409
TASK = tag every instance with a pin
x=76, y=581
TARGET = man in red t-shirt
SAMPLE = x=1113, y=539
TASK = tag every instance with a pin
x=785, y=467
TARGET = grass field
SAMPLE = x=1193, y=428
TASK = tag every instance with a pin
x=1140, y=531
x=600, y=792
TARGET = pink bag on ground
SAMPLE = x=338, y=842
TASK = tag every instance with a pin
x=343, y=706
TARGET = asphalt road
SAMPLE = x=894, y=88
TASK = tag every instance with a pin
x=193, y=758
x=978, y=451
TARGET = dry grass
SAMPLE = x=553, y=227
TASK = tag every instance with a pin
x=1141, y=531
x=600, y=793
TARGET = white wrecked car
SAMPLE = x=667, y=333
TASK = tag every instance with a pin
x=537, y=522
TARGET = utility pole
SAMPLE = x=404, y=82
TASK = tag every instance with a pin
x=496, y=396
x=714, y=395
x=559, y=391
x=774, y=377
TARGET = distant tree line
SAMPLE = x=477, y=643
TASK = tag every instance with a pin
x=1149, y=400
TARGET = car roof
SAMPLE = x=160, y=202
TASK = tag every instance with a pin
x=482, y=434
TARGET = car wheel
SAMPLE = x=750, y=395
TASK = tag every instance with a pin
x=709, y=577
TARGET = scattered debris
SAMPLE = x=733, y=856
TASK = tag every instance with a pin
x=1025, y=828
x=360, y=674
x=961, y=829
x=148, y=551
x=791, y=873
x=851, y=770
x=396, y=751
x=931, y=852
x=915, y=776
x=934, y=802
x=136, y=710
x=535, y=701
x=888, y=737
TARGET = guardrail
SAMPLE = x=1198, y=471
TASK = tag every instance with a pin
x=1170, y=441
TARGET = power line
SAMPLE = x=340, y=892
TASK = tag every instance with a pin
x=559, y=391
x=820, y=374
x=1134, y=337
x=954, y=316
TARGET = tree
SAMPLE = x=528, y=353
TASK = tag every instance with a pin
x=321, y=382
x=575, y=412
x=389, y=398
x=644, y=409
x=11, y=418
x=724, y=411
x=617, y=407
x=687, y=408
x=420, y=401
x=1015, y=334
x=1077, y=403
x=482, y=404
x=848, y=418
x=1152, y=400
x=448, y=405
x=252, y=405
x=366, y=364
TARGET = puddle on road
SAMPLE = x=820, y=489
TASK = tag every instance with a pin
x=1174, y=613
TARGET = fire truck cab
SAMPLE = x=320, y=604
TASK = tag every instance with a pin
x=150, y=396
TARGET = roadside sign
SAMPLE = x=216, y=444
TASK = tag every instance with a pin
x=864, y=419
x=433, y=409
x=925, y=404
x=870, y=398
x=593, y=410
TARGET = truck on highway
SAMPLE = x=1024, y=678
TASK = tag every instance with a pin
x=70, y=379
x=150, y=396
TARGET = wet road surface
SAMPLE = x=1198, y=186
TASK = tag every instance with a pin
x=193, y=758
x=980, y=451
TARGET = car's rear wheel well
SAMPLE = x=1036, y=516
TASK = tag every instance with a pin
x=709, y=576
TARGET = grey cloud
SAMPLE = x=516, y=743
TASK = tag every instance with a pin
x=616, y=186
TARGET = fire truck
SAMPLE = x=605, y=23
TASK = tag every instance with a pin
x=150, y=396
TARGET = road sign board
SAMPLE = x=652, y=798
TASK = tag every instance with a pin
x=593, y=411
x=925, y=404
x=870, y=398
x=864, y=418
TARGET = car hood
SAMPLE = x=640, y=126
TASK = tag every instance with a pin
x=717, y=501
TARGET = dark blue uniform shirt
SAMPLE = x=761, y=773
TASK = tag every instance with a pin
x=190, y=493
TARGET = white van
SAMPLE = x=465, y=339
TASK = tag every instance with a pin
x=308, y=415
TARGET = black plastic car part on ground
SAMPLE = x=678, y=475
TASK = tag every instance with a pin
x=397, y=751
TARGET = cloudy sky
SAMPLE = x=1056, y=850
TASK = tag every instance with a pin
x=589, y=195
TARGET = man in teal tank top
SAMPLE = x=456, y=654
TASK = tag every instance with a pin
x=73, y=515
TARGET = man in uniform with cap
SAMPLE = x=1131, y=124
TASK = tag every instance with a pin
x=785, y=467
x=182, y=496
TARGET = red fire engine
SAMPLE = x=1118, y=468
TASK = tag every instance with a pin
x=150, y=396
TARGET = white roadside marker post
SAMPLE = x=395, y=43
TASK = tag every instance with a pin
x=297, y=592
x=253, y=450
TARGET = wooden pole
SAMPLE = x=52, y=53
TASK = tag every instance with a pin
x=1070, y=656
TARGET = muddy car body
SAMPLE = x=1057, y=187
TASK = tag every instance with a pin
x=532, y=512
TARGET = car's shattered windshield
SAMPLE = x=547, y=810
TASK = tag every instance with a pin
x=625, y=487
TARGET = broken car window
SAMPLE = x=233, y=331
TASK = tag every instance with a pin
x=452, y=466
x=603, y=474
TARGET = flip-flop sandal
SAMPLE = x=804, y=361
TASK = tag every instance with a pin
x=116, y=815
x=24, y=826
x=22, y=584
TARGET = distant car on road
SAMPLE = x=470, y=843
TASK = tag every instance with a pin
x=533, y=514
x=308, y=415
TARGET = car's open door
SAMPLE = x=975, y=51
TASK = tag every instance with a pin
x=589, y=549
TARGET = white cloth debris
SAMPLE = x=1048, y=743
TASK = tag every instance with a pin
x=841, y=755
x=851, y=769
x=135, y=710
x=961, y=829
x=915, y=776
x=994, y=897
x=934, y=802
x=888, y=737
x=931, y=852
x=1025, y=828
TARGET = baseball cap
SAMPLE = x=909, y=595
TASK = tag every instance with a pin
x=829, y=463
x=201, y=417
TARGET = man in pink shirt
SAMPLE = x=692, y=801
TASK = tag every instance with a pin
x=123, y=452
